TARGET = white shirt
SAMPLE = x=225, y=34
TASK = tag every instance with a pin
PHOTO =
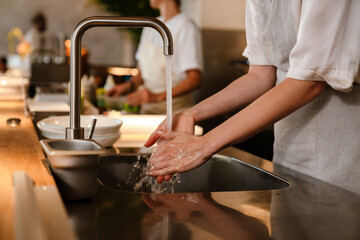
x=320, y=39
x=314, y=40
x=187, y=50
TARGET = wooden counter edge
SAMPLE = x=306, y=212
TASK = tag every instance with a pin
x=19, y=151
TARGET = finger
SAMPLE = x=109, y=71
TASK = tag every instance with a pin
x=110, y=92
x=167, y=177
x=159, y=156
x=161, y=163
x=131, y=99
x=159, y=150
x=131, y=96
x=161, y=172
x=153, y=138
x=160, y=179
x=115, y=94
x=156, y=134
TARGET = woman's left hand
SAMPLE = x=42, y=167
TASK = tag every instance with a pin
x=141, y=96
x=178, y=152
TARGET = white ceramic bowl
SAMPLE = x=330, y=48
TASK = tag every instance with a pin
x=57, y=125
x=104, y=140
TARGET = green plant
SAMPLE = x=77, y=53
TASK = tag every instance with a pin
x=130, y=8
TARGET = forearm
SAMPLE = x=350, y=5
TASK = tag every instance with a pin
x=236, y=95
x=192, y=81
x=136, y=81
x=277, y=103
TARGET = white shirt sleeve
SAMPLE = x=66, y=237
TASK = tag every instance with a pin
x=254, y=51
x=188, y=49
x=328, y=43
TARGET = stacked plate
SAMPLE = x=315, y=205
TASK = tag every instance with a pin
x=12, y=88
x=107, y=130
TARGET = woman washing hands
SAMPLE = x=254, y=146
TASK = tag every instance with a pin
x=303, y=77
x=182, y=122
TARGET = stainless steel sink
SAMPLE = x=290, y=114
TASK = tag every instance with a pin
x=220, y=173
x=77, y=145
x=73, y=164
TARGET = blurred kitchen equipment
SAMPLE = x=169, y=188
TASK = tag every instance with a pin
x=51, y=74
x=59, y=57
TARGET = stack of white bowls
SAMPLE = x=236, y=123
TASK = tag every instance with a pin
x=107, y=130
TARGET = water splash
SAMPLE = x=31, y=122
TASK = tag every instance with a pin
x=145, y=183
x=143, y=180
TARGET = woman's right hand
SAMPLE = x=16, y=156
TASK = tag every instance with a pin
x=119, y=89
x=181, y=122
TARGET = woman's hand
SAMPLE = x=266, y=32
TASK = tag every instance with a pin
x=181, y=122
x=142, y=96
x=119, y=89
x=178, y=152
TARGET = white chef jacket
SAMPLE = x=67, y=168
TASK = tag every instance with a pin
x=36, y=39
x=316, y=41
x=187, y=52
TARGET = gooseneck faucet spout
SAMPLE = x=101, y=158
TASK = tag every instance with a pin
x=75, y=131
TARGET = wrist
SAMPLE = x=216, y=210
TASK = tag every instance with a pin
x=210, y=147
x=212, y=143
x=191, y=113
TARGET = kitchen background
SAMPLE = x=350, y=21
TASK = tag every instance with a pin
x=223, y=31
x=227, y=15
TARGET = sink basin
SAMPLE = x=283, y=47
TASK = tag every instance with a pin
x=219, y=174
x=120, y=211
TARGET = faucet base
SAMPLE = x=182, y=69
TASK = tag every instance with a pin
x=74, y=133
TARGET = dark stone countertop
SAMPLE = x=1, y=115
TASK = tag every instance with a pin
x=307, y=209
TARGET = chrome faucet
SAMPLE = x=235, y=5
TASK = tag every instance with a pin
x=75, y=131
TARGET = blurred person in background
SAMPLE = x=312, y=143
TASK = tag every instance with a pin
x=36, y=35
x=148, y=87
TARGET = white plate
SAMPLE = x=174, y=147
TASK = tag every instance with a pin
x=12, y=82
x=104, y=125
x=105, y=140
